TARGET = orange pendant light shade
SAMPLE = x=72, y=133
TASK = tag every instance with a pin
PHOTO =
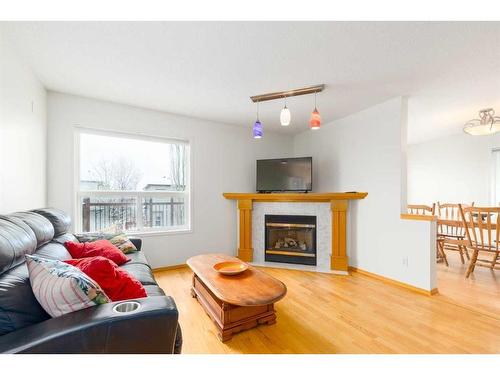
x=315, y=121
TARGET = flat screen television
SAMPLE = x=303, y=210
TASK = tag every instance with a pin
x=290, y=174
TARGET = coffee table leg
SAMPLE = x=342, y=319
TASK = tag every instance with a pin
x=271, y=319
x=271, y=322
x=224, y=336
x=193, y=293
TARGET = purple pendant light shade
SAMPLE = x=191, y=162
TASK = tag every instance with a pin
x=258, y=132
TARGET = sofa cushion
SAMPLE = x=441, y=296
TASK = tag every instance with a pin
x=154, y=290
x=53, y=250
x=141, y=272
x=137, y=257
x=18, y=305
x=65, y=237
x=59, y=219
x=43, y=229
x=61, y=288
x=117, y=283
x=16, y=240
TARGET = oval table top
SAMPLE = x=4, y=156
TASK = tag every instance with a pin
x=252, y=287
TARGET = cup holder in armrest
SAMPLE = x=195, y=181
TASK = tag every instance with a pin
x=126, y=307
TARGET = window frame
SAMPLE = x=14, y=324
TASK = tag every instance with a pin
x=138, y=194
x=494, y=200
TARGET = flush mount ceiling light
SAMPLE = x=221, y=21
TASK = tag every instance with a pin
x=486, y=124
x=285, y=115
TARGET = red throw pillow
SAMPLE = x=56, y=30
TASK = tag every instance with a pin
x=102, y=248
x=117, y=283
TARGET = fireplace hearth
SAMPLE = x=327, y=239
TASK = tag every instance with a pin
x=290, y=239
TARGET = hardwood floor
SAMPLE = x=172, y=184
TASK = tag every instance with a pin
x=324, y=313
x=481, y=291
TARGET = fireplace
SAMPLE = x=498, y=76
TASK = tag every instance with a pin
x=290, y=239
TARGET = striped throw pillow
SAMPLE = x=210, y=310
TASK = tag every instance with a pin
x=61, y=288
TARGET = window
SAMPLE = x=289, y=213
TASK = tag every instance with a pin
x=495, y=191
x=133, y=183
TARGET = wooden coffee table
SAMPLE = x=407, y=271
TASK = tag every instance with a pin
x=238, y=302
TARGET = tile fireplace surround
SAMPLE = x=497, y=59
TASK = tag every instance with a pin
x=323, y=231
x=330, y=209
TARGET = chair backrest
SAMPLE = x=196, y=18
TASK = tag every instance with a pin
x=421, y=209
x=482, y=226
x=450, y=220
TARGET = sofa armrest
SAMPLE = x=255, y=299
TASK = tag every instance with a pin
x=151, y=328
x=137, y=242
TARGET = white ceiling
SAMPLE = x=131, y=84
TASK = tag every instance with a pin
x=208, y=70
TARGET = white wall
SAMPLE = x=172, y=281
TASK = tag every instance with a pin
x=365, y=152
x=451, y=169
x=23, y=134
x=223, y=160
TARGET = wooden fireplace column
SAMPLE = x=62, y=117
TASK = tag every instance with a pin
x=338, y=257
x=339, y=203
x=245, y=249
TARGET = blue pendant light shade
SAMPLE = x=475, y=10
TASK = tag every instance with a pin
x=258, y=132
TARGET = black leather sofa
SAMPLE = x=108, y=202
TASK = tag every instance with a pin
x=26, y=328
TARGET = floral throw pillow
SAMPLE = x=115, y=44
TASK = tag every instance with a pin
x=91, y=237
x=104, y=234
x=61, y=288
x=120, y=240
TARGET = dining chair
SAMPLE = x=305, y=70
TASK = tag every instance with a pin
x=450, y=230
x=421, y=209
x=482, y=232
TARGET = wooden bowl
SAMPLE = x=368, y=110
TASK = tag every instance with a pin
x=230, y=268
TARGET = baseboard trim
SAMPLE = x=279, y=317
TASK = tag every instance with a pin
x=169, y=268
x=395, y=282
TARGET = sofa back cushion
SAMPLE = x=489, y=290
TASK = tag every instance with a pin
x=17, y=239
x=25, y=233
x=18, y=305
x=42, y=227
x=60, y=220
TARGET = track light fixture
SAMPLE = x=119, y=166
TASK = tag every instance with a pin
x=285, y=115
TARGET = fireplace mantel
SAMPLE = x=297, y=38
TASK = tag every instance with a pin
x=295, y=197
x=339, y=206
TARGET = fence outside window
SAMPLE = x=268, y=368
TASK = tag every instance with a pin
x=158, y=211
